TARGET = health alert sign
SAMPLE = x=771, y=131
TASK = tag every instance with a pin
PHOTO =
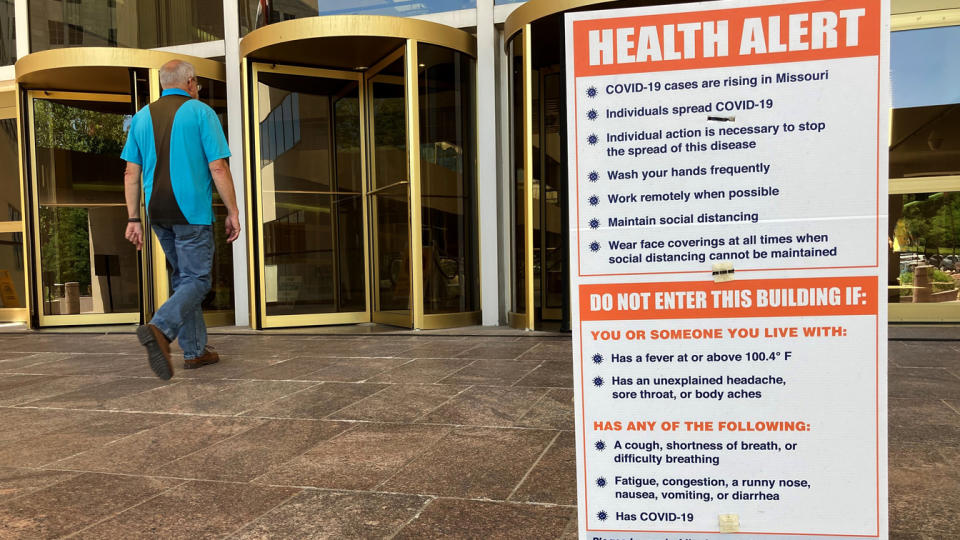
x=728, y=247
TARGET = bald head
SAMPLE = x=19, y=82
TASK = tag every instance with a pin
x=176, y=74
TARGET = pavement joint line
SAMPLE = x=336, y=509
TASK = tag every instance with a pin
x=127, y=436
x=438, y=407
x=534, y=466
x=22, y=495
x=108, y=518
x=184, y=480
x=527, y=374
x=264, y=514
x=287, y=418
x=221, y=441
x=407, y=463
x=546, y=392
x=268, y=402
x=351, y=404
x=452, y=373
x=413, y=518
x=947, y=403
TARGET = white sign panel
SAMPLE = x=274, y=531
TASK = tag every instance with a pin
x=728, y=200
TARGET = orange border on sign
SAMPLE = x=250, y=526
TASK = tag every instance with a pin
x=868, y=37
x=583, y=426
x=866, y=48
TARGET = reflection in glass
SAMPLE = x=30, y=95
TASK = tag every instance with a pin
x=925, y=138
x=9, y=172
x=925, y=237
x=141, y=24
x=8, y=33
x=519, y=177
x=312, y=211
x=257, y=13
x=391, y=192
x=12, y=279
x=447, y=179
x=220, y=297
x=86, y=264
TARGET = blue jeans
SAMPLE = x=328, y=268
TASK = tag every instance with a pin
x=189, y=251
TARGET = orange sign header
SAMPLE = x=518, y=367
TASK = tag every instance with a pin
x=803, y=297
x=770, y=34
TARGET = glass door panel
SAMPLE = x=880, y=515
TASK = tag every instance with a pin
x=447, y=181
x=88, y=272
x=218, y=306
x=311, y=227
x=389, y=196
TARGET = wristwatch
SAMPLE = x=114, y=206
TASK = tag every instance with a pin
x=133, y=220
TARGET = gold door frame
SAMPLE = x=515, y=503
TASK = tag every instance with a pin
x=156, y=276
x=526, y=319
x=370, y=77
x=98, y=71
x=81, y=318
x=13, y=112
x=256, y=229
x=272, y=45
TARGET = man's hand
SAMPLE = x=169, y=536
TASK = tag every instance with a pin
x=232, y=224
x=135, y=234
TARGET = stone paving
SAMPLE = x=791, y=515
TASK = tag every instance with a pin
x=357, y=437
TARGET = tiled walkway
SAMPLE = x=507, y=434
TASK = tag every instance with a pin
x=356, y=437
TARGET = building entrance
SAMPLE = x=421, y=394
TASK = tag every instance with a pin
x=363, y=173
x=75, y=107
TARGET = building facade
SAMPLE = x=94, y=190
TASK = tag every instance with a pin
x=398, y=162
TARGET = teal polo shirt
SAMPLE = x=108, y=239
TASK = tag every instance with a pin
x=174, y=139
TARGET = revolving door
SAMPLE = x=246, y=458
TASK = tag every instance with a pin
x=74, y=108
x=361, y=164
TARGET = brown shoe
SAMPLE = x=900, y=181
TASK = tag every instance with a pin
x=208, y=357
x=158, y=350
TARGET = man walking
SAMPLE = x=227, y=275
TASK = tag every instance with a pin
x=178, y=144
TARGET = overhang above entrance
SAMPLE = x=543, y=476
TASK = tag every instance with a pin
x=347, y=42
x=99, y=69
x=535, y=10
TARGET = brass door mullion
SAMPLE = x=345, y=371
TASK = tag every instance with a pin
x=252, y=196
x=413, y=158
x=24, y=214
x=364, y=209
x=528, y=174
x=35, y=206
x=257, y=189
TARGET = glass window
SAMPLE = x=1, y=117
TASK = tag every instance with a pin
x=12, y=279
x=8, y=33
x=257, y=13
x=143, y=24
x=220, y=297
x=9, y=172
x=925, y=138
x=448, y=180
x=310, y=178
x=85, y=265
x=925, y=237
